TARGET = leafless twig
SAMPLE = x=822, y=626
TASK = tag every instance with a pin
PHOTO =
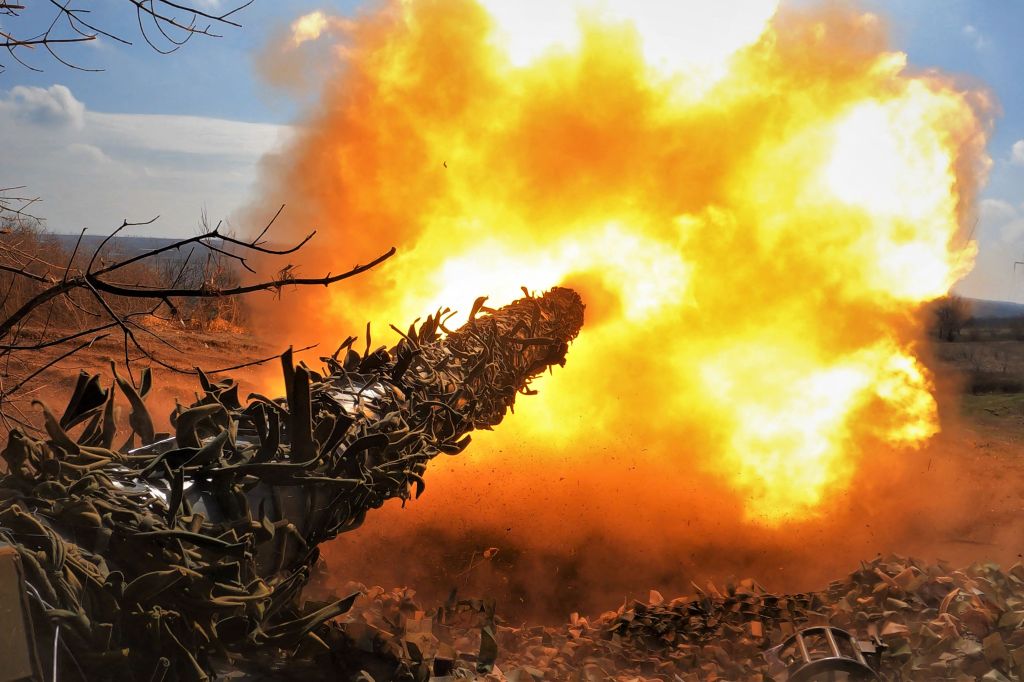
x=164, y=25
x=115, y=299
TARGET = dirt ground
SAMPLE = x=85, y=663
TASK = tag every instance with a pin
x=984, y=435
x=567, y=542
x=183, y=348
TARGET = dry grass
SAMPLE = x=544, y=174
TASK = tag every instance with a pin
x=210, y=332
x=985, y=366
x=25, y=246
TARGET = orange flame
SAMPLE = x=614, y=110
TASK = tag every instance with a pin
x=751, y=202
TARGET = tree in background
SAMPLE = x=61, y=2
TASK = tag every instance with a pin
x=952, y=313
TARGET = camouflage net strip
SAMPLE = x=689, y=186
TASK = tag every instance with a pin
x=188, y=555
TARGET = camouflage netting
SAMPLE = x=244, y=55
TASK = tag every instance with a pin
x=187, y=556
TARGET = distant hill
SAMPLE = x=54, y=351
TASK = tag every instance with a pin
x=982, y=309
x=126, y=246
x=120, y=247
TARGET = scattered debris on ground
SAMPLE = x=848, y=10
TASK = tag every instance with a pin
x=935, y=622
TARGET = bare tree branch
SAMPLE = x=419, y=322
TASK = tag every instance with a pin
x=108, y=292
x=175, y=23
x=12, y=391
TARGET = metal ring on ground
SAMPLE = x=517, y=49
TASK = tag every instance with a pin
x=836, y=651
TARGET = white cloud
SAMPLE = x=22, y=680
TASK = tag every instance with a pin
x=95, y=169
x=1001, y=219
x=1012, y=231
x=1000, y=235
x=54, y=106
x=1017, y=153
x=89, y=153
x=976, y=37
x=993, y=211
x=185, y=134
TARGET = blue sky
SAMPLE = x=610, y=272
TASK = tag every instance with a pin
x=180, y=134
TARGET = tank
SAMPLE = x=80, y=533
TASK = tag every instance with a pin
x=185, y=557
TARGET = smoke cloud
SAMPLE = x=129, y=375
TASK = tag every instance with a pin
x=753, y=235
